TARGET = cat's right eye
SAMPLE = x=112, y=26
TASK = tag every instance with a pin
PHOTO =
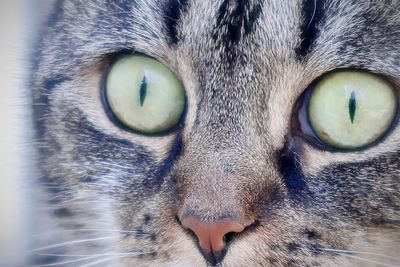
x=144, y=94
x=350, y=109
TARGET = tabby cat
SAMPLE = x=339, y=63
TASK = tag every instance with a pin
x=218, y=133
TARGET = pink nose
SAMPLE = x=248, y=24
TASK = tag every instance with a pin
x=211, y=235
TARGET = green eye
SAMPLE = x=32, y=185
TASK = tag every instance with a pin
x=144, y=94
x=351, y=109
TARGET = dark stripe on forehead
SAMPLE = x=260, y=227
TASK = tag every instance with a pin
x=172, y=16
x=236, y=19
x=312, y=17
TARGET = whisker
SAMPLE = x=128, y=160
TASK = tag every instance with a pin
x=59, y=204
x=313, y=15
x=111, y=258
x=359, y=252
x=86, y=255
x=71, y=242
x=365, y=260
x=65, y=262
x=63, y=204
x=66, y=255
x=93, y=230
x=102, y=260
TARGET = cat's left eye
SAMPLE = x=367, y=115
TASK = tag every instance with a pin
x=351, y=109
x=144, y=94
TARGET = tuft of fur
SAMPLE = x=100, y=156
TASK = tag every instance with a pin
x=117, y=196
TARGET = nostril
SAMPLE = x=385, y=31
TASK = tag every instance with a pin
x=229, y=237
x=232, y=235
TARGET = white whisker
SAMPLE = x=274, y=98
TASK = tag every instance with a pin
x=102, y=260
x=110, y=259
x=87, y=255
x=365, y=260
x=78, y=201
x=72, y=242
x=313, y=15
x=92, y=230
x=359, y=252
x=65, y=262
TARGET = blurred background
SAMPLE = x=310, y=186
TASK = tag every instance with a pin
x=20, y=21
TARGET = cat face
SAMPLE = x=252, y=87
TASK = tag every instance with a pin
x=238, y=180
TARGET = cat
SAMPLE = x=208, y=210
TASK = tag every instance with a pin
x=242, y=162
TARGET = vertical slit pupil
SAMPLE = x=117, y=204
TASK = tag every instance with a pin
x=143, y=91
x=352, y=106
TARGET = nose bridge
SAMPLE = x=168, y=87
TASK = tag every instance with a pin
x=215, y=185
x=208, y=189
x=224, y=153
x=224, y=101
x=231, y=116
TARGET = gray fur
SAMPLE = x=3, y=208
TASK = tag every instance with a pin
x=237, y=156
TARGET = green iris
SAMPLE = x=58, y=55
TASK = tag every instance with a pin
x=351, y=109
x=144, y=94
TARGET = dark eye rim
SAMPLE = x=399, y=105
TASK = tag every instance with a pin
x=111, y=60
x=301, y=125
